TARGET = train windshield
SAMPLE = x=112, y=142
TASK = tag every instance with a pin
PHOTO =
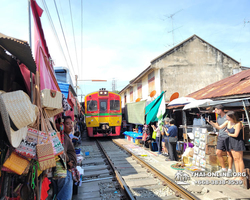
x=114, y=105
x=103, y=105
x=92, y=105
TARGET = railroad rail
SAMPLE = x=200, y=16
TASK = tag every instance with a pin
x=178, y=189
x=128, y=194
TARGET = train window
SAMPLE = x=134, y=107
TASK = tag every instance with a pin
x=103, y=105
x=92, y=105
x=114, y=105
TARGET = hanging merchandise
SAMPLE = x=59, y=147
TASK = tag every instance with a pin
x=65, y=103
x=17, y=113
x=45, y=153
x=16, y=163
x=27, y=148
x=60, y=170
x=54, y=139
x=51, y=99
x=52, y=113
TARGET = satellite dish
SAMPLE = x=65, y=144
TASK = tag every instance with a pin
x=138, y=99
x=152, y=94
x=174, y=96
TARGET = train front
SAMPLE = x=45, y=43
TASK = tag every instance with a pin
x=103, y=113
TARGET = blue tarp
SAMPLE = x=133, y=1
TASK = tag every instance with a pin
x=133, y=134
x=64, y=87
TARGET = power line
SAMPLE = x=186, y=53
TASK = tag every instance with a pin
x=81, y=32
x=64, y=36
x=54, y=30
x=73, y=35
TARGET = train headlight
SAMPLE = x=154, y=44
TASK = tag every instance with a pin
x=101, y=92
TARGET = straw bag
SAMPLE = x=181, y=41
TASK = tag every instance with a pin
x=52, y=113
x=16, y=163
x=51, y=99
x=45, y=153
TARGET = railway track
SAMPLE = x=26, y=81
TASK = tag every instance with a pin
x=111, y=172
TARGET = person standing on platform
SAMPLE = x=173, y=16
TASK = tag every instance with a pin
x=165, y=137
x=158, y=136
x=65, y=185
x=172, y=139
x=223, y=140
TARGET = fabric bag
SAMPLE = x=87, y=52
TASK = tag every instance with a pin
x=60, y=171
x=154, y=135
x=51, y=99
x=27, y=148
x=75, y=175
x=172, y=139
x=16, y=163
x=56, y=143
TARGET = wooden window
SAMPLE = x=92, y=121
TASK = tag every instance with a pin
x=131, y=94
x=151, y=82
x=125, y=99
x=139, y=89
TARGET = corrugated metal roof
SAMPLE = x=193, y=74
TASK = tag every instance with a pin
x=20, y=49
x=235, y=85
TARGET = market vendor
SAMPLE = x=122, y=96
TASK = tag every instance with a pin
x=223, y=140
x=65, y=185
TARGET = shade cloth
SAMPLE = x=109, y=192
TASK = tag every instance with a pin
x=136, y=112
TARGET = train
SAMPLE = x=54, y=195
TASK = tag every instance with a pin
x=103, y=113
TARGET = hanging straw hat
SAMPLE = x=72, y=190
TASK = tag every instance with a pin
x=17, y=113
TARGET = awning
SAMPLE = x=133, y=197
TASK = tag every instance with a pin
x=64, y=87
x=227, y=102
x=20, y=49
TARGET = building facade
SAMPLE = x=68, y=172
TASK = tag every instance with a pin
x=187, y=67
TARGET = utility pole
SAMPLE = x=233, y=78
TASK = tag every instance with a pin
x=113, y=85
x=76, y=83
x=171, y=16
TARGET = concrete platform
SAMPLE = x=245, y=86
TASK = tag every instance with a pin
x=231, y=192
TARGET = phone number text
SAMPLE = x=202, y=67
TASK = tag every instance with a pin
x=218, y=182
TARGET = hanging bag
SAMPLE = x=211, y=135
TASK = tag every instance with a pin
x=45, y=153
x=51, y=99
x=60, y=171
x=16, y=163
x=56, y=143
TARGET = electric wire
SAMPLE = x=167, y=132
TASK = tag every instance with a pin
x=64, y=36
x=73, y=35
x=81, y=34
x=54, y=31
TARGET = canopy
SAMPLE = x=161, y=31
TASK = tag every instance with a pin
x=136, y=112
x=152, y=109
x=181, y=101
x=196, y=103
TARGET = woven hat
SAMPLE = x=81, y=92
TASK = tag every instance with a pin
x=17, y=113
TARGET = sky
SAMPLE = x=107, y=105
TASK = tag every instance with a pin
x=116, y=40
